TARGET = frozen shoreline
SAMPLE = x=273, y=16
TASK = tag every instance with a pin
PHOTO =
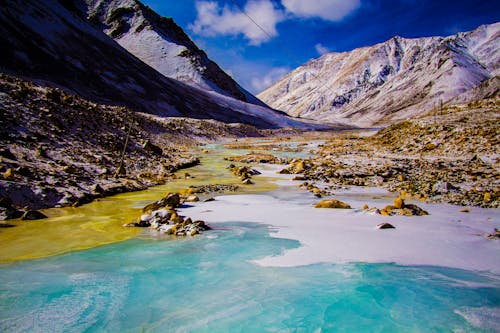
x=446, y=237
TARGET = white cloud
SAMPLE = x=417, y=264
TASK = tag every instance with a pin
x=321, y=49
x=264, y=81
x=213, y=20
x=330, y=10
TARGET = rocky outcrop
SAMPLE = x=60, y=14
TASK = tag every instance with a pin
x=162, y=216
x=257, y=158
x=332, y=203
x=245, y=173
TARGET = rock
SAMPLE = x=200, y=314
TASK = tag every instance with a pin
x=399, y=203
x=298, y=178
x=299, y=167
x=415, y=210
x=209, y=199
x=192, y=198
x=365, y=207
x=9, y=174
x=385, y=225
x=464, y=210
x=487, y=197
x=33, y=215
x=384, y=212
x=172, y=200
x=332, y=203
x=187, y=175
x=148, y=146
x=247, y=181
x=5, y=152
x=129, y=225
x=495, y=235
x=7, y=210
x=96, y=188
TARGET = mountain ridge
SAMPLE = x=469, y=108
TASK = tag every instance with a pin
x=389, y=81
x=53, y=43
x=162, y=44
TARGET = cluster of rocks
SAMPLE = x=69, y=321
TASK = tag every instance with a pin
x=9, y=211
x=297, y=166
x=245, y=173
x=258, y=158
x=162, y=216
x=211, y=188
x=58, y=160
x=318, y=192
x=398, y=208
x=348, y=161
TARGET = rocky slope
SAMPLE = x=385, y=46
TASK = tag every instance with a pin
x=60, y=149
x=53, y=42
x=163, y=45
x=448, y=155
x=390, y=81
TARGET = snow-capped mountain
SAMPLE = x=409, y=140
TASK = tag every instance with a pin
x=163, y=45
x=389, y=81
x=54, y=42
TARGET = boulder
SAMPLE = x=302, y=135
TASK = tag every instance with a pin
x=172, y=200
x=385, y=225
x=399, y=203
x=33, y=215
x=7, y=210
x=192, y=198
x=415, y=210
x=332, y=203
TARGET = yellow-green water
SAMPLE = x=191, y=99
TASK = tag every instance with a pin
x=100, y=222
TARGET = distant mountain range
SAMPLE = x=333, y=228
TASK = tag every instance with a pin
x=120, y=52
x=390, y=81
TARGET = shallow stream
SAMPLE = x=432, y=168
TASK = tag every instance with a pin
x=140, y=282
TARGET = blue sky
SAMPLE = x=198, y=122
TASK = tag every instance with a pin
x=298, y=30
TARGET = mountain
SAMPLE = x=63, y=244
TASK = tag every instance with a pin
x=163, y=45
x=389, y=81
x=53, y=43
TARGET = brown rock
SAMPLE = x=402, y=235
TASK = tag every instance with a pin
x=33, y=215
x=9, y=174
x=332, y=203
x=399, y=203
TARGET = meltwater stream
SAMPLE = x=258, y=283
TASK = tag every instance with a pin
x=210, y=284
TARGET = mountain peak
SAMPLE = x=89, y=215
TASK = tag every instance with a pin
x=389, y=81
x=163, y=45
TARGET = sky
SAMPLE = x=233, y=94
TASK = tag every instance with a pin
x=258, y=41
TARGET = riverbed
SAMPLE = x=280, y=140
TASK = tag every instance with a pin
x=271, y=263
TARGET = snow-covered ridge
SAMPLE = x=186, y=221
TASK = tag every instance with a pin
x=390, y=81
x=163, y=45
x=56, y=43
